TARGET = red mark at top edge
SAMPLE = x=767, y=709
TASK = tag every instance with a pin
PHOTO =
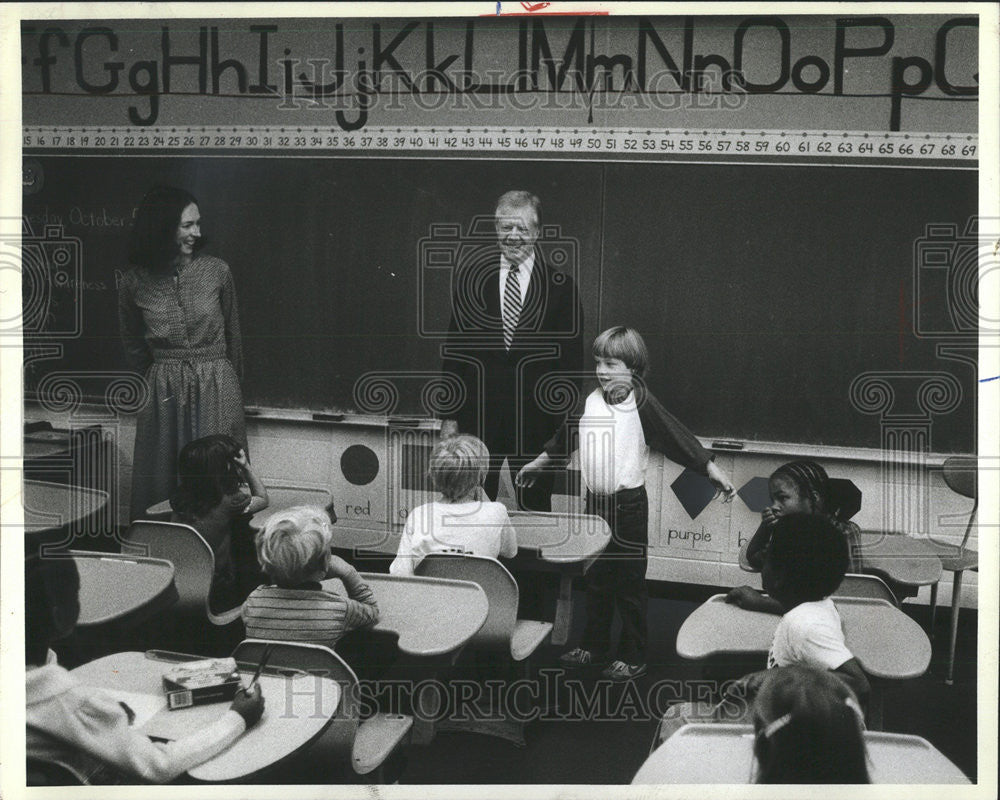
x=538, y=10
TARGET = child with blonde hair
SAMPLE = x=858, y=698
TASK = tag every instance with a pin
x=294, y=552
x=619, y=423
x=461, y=521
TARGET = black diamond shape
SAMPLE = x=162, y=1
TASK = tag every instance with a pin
x=694, y=491
x=755, y=494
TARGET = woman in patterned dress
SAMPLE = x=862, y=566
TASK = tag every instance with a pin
x=180, y=327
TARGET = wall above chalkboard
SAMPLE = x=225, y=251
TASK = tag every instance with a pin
x=763, y=291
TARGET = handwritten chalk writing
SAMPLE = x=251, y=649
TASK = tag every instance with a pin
x=89, y=286
x=348, y=71
x=99, y=218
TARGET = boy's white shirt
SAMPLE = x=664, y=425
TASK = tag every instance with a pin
x=613, y=451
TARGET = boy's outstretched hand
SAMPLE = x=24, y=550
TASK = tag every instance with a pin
x=529, y=472
x=720, y=480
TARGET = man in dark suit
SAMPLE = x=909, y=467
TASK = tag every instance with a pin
x=516, y=344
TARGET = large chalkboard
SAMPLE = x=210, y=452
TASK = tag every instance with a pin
x=763, y=291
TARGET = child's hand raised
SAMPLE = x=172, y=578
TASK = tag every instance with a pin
x=768, y=517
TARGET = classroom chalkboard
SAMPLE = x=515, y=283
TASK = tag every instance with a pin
x=762, y=290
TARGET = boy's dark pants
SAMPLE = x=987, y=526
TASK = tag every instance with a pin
x=618, y=577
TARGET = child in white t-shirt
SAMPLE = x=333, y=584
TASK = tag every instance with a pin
x=804, y=564
x=461, y=521
x=619, y=424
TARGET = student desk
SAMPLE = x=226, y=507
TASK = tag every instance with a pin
x=122, y=590
x=887, y=644
x=278, y=499
x=546, y=541
x=431, y=616
x=720, y=753
x=905, y=559
x=298, y=707
x=41, y=447
x=281, y=497
x=50, y=509
x=560, y=542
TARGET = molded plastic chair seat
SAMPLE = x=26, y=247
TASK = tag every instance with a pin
x=498, y=632
x=956, y=559
x=527, y=637
x=376, y=739
x=871, y=586
x=193, y=560
x=502, y=631
x=351, y=745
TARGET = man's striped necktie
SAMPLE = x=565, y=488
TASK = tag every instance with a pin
x=511, y=306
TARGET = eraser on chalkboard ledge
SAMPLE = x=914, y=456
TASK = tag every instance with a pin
x=727, y=445
x=324, y=417
x=402, y=420
x=34, y=426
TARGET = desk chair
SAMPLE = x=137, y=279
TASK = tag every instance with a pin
x=960, y=474
x=43, y=772
x=502, y=632
x=351, y=745
x=870, y=586
x=723, y=753
x=193, y=560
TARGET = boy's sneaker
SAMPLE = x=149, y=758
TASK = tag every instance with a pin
x=577, y=657
x=620, y=671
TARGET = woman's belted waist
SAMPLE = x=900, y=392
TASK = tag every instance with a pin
x=210, y=353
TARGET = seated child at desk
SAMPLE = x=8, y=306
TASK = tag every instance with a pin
x=209, y=497
x=802, y=487
x=803, y=565
x=86, y=729
x=808, y=728
x=619, y=423
x=461, y=521
x=294, y=553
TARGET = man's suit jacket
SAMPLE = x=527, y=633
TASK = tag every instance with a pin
x=507, y=391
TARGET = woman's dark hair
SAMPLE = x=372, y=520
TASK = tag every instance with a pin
x=810, y=554
x=51, y=603
x=808, y=729
x=206, y=472
x=153, y=244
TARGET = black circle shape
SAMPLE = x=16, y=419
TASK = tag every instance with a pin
x=359, y=464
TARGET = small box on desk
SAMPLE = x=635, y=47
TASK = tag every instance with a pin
x=196, y=683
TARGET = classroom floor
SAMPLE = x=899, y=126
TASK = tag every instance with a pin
x=574, y=747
